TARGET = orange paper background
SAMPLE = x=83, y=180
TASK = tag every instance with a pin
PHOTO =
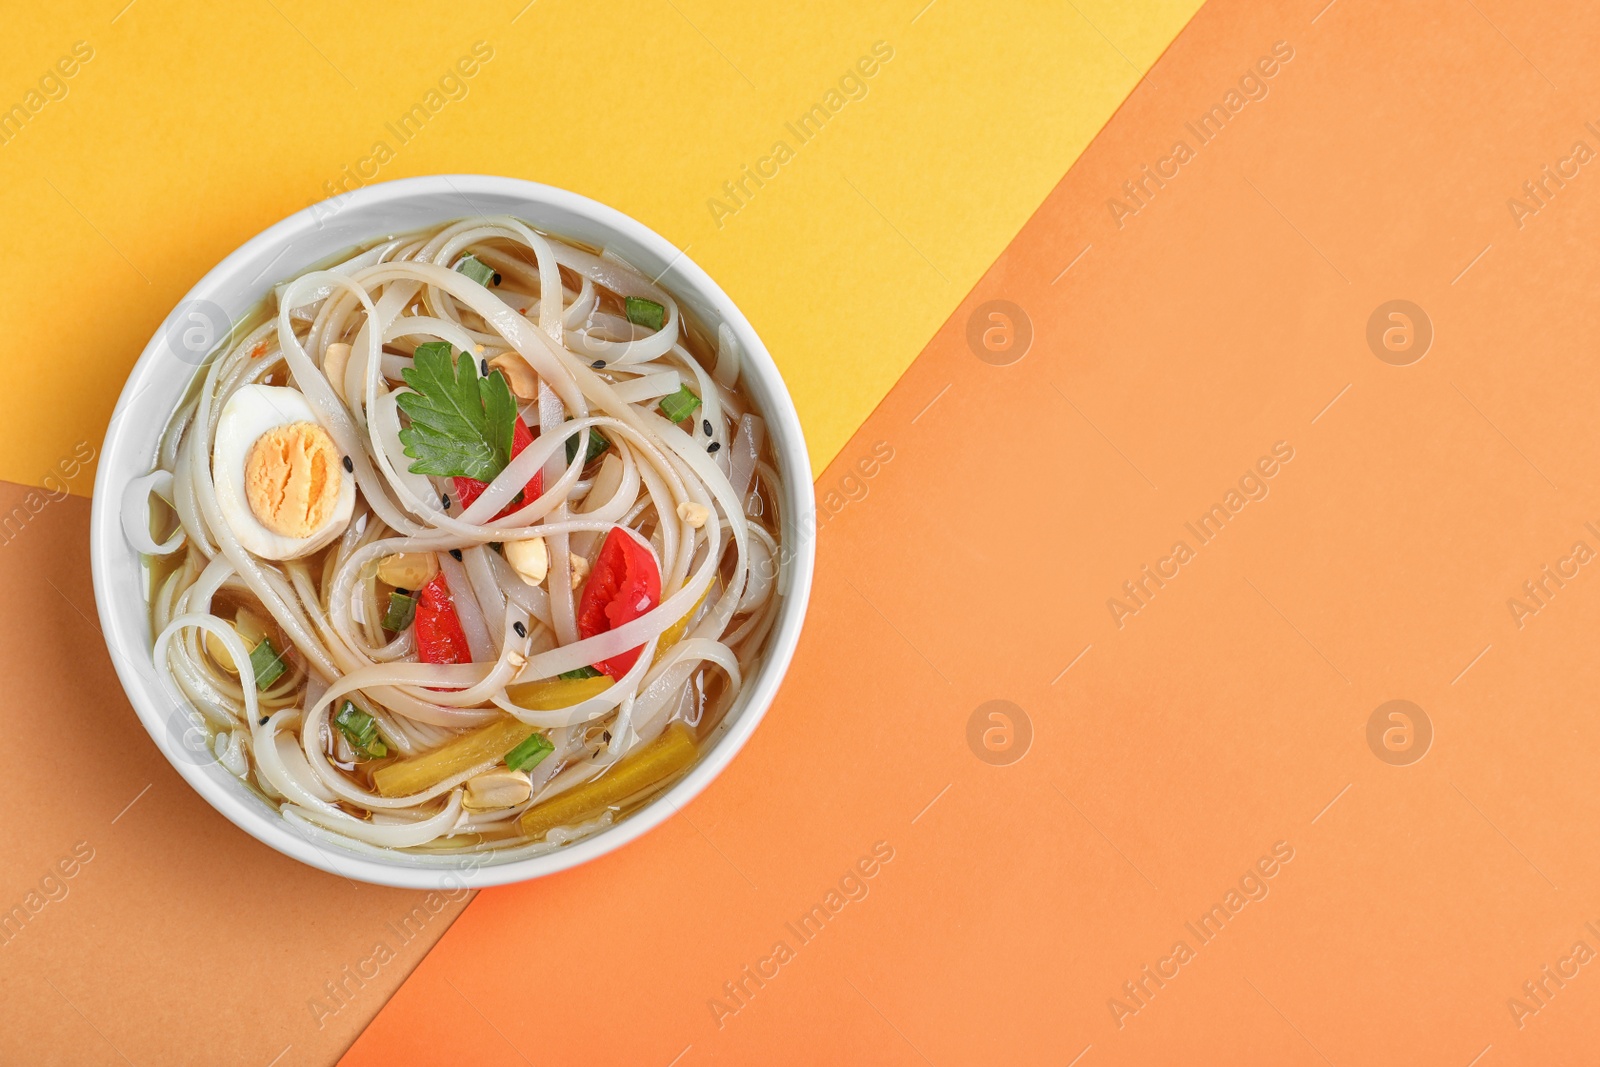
x=1228, y=717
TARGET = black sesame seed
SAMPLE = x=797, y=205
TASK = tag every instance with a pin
x=598, y=364
x=713, y=446
x=349, y=465
x=705, y=424
x=445, y=500
x=483, y=367
x=497, y=277
x=607, y=736
x=403, y=592
x=522, y=631
x=263, y=720
x=455, y=554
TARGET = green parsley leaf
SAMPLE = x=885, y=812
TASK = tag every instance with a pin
x=646, y=313
x=679, y=405
x=461, y=425
x=530, y=753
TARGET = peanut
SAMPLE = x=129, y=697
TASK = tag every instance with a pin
x=408, y=570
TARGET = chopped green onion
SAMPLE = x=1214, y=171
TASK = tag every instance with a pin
x=642, y=312
x=361, y=731
x=579, y=674
x=679, y=405
x=268, y=664
x=477, y=270
x=597, y=446
x=402, y=609
x=530, y=753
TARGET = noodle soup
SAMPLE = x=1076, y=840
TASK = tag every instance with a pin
x=466, y=543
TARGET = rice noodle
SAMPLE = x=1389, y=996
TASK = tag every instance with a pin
x=559, y=310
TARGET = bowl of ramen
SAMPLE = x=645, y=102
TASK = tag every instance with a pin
x=454, y=531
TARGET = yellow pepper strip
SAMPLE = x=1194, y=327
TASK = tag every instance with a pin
x=553, y=694
x=665, y=756
x=418, y=773
x=674, y=633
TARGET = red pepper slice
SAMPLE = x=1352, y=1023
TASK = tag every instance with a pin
x=469, y=489
x=624, y=584
x=438, y=630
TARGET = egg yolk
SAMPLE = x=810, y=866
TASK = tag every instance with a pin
x=291, y=479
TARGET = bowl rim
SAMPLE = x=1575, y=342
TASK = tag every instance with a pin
x=126, y=645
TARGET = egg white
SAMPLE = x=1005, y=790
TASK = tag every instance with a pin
x=250, y=412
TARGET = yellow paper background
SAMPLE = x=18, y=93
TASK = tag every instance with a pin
x=195, y=126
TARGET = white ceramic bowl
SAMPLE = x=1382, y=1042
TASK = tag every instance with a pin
x=236, y=286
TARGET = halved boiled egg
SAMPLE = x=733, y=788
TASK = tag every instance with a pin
x=280, y=479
